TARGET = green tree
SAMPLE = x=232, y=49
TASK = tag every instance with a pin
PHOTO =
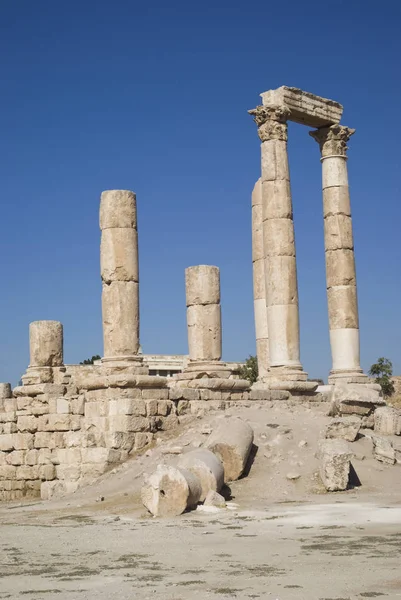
x=382, y=371
x=250, y=369
x=90, y=361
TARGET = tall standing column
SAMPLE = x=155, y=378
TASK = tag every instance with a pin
x=279, y=247
x=339, y=247
x=120, y=277
x=259, y=290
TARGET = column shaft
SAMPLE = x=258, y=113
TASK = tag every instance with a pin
x=339, y=249
x=120, y=277
x=259, y=290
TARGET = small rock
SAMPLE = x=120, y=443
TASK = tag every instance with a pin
x=116, y=519
x=293, y=476
x=148, y=453
x=196, y=443
x=100, y=499
x=215, y=499
x=302, y=444
x=206, y=430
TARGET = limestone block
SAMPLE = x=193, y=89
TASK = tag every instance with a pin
x=169, y=422
x=343, y=307
x=38, y=409
x=257, y=233
x=128, y=423
x=204, y=332
x=44, y=456
x=46, y=343
x=63, y=406
x=274, y=161
x=8, y=417
x=120, y=310
x=283, y=322
x=356, y=398
x=23, y=402
x=336, y=200
x=68, y=456
x=59, y=422
x=155, y=394
x=383, y=450
x=5, y=391
x=344, y=428
x=9, y=427
x=182, y=393
x=117, y=209
x=100, y=408
x=257, y=193
x=152, y=408
x=170, y=491
x=119, y=440
x=259, y=290
x=9, y=472
x=215, y=499
x=23, y=441
x=282, y=277
x=207, y=467
x=164, y=407
x=277, y=203
x=334, y=171
x=29, y=424
x=202, y=285
x=47, y=472
x=10, y=404
x=126, y=406
x=387, y=421
x=49, y=489
x=338, y=232
x=73, y=439
x=95, y=455
x=31, y=457
x=142, y=440
x=44, y=440
x=278, y=237
x=232, y=441
x=16, y=458
x=119, y=255
x=340, y=268
x=27, y=472
x=335, y=461
x=68, y=472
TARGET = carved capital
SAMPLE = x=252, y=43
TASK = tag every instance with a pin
x=333, y=140
x=271, y=121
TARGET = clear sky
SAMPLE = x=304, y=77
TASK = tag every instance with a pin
x=153, y=97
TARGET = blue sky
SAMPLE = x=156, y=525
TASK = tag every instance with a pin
x=153, y=97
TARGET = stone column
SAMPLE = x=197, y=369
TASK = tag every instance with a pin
x=339, y=247
x=259, y=291
x=120, y=277
x=46, y=344
x=202, y=288
x=279, y=250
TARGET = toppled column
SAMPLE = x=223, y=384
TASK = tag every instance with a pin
x=259, y=288
x=340, y=261
x=232, y=441
x=335, y=464
x=207, y=467
x=202, y=287
x=279, y=250
x=120, y=278
x=170, y=491
x=45, y=350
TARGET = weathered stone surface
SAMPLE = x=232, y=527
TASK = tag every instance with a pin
x=232, y=441
x=215, y=499
x=387, y=421
x=170, y=491
x=204, y=332
x=335, y=460
x=343, y=307
x=202, y=285
x=340, y=268
x=356, y=399
x=383, y=450
x=117, y=209
x=345, y=428
x=207, y=467
x=5, y=391
x=46, y=343
x=120, y=309
x=119, y=255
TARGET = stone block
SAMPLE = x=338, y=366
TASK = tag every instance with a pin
x=128, y=423
x=202, y=285
x=8, y=472
x=97, y=409
x=5, y=391
x=118, y=209
x=68, y=472
x=142, y=440
x=119, y=255
x=215, y=499
x=8, y=417
x=73, y=439
x=27, y=424
x=345, y=428
x=387, y=421
x=164, y=407
x=9, y=428
x=232, y=441
x=27, y=472
x=23, y=402
x=78, y=405
x=68, y=456
x=63, y=422
x=44, y=456
x=46, y=343
x=343, y=307
x=16, y=458
x=183, y=407
x=383, y=450
x=121, y=441
x=169, y=422
x=10, y=404
x=47, y=472
x=31, y=457
x=170, y=491
x=338, y=232
x=155, y=394
x=44, y=440
x=120, y=313
x=38, y=409
x=95, y=455
x=151, y=408
x=62, y=406
x=23, y=441
x=212, y=394
x=127, y=406
x=49, y=489
x=335, y=463
x=6, y=442
x=278, y=237
x=340, y=268
x=204, y=332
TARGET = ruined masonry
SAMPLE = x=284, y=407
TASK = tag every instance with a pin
x=68, y=424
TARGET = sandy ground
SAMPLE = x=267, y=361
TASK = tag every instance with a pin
x=278, y=539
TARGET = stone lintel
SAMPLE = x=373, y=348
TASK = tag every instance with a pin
x=304, y=107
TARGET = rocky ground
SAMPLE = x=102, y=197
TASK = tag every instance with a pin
x=281, y=537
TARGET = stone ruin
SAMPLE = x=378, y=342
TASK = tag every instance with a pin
x=68, y=424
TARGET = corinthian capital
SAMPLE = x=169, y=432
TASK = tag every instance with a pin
x=333, y=140
x=271, y=121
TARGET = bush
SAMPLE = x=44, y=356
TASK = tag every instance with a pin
x=382, y=371
x=90, y=361
x=250, y=369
